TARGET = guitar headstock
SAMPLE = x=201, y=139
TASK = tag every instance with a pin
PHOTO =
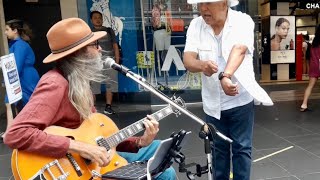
x=180, y=102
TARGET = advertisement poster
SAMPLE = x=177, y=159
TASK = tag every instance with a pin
x=11, y=78
x=282, y=40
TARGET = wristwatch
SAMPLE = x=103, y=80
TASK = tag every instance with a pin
x=223, y=74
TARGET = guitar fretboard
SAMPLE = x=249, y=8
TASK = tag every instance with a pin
x=132, y=130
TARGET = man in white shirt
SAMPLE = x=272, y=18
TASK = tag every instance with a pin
x=220, y=45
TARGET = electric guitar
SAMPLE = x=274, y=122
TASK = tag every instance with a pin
x=99, y=130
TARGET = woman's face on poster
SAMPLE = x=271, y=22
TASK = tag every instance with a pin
x=283, y=30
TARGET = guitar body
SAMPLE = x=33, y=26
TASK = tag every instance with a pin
x=26, y=165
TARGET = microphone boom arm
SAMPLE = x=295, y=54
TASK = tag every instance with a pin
x=174, y=104
x=207, y=128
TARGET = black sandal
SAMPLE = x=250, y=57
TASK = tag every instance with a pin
x=304, y=109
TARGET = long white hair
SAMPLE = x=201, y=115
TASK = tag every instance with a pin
x=80, y=68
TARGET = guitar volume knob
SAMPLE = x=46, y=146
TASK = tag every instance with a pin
x=116, y=163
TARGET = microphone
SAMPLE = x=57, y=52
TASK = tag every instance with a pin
x=110, y=63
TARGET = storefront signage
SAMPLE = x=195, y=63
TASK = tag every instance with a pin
x=173, y=57
x=309, y=5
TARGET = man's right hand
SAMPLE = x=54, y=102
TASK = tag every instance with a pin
x=209, y=67
x=91, y=152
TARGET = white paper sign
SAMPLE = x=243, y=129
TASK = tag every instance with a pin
x=11, y=78
x=285, y=56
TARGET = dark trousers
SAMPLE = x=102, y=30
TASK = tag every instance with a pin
x=237, y=124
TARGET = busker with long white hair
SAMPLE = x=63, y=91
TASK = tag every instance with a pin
x=63, y=98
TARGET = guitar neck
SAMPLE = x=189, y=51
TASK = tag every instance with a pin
x=134, y=129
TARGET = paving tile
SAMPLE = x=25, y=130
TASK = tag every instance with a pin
x=266, y=169
x=282, y=178
x=312, y=176
x=283, y=123
x=310, y=143
x=296, y=161
x=5, y=170
x=264, y=139
x=311, y=126
x=4, y=150
x=7, y=178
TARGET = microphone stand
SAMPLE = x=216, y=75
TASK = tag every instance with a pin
x=207, y=129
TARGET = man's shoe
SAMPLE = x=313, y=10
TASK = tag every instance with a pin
x=108, y=110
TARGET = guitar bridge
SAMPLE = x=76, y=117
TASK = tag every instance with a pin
x=47, y=168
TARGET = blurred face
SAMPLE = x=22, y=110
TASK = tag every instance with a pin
x=212, y=12
x=94, y=49
x=92, y=55
x=11, y=34
x=96, y=20
x=282, y=30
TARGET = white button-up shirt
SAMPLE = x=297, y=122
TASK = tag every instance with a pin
x=238, y=29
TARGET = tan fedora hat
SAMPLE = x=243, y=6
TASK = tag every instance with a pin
x=231, y=3
x=68, y=36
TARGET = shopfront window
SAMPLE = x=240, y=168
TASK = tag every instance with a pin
x=152, y=35
x=166, y=24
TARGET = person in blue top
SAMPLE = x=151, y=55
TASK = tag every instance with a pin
x=19, y=35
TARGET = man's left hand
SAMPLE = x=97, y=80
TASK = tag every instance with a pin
x=152, y=129
x=229, y=88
